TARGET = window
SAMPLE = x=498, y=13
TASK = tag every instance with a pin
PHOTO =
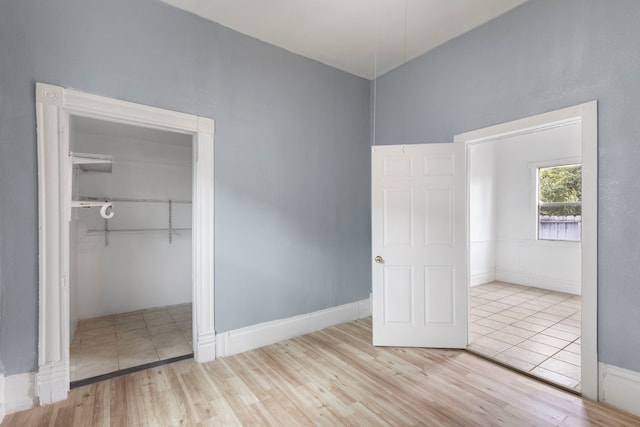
x=560, y=203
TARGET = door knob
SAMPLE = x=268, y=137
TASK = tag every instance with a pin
x=379, y=259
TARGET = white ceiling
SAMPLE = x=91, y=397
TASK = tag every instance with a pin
x=363, y=37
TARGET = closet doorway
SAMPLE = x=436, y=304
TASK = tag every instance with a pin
x=129, y=248
x=57, y=109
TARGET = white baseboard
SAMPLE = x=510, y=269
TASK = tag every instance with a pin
x=18, y=393
x=364, y=307
x=482, y=278
x=620, y=388
x=206, y=347
x=569, y=287
x=255, y=336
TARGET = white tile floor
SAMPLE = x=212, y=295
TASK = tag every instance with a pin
x=530, y=329
x=107, y=344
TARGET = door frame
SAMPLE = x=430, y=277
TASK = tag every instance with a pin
x=587, y=116
x=54, y=106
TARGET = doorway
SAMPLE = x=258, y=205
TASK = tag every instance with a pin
x=130, y=300
x=55, y=107
x=432, y=293
x=510, y=317
x=525, y=255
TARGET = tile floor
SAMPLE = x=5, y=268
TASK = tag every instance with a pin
x=107, y=344
x=530, y=329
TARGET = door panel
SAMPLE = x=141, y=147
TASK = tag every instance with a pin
x=439, y=295
x=398, y=298
x=419, y=231
x=398, y=221
x=438, y=217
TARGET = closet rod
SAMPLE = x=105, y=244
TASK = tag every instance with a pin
x=136, y=230
x=125, y=199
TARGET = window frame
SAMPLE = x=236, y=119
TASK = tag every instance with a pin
x=538, y=204
x=534, y=209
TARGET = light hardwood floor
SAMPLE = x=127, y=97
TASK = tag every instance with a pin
x=331, y=377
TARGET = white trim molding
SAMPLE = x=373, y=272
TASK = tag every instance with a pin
x=587, y=116
x=54, y=106
x=262, y=334
x=202, y=240
x=620, y=388
x=52, y=381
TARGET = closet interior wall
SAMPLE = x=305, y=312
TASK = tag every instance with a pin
x=131, y=261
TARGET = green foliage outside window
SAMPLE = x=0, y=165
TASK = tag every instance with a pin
x=561, y=185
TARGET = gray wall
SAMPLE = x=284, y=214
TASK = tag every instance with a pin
x=541, y=56
x=292, y=152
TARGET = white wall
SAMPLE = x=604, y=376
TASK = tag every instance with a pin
x=482, y=196
x=137, y=269
x=519, y=257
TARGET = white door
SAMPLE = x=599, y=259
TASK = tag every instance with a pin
x=419, y=245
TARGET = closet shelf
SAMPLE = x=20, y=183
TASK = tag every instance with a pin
x=87, y=203
x=132, y=200
x=92, y=162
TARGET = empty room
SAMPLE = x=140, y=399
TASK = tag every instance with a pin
x=413, y=212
